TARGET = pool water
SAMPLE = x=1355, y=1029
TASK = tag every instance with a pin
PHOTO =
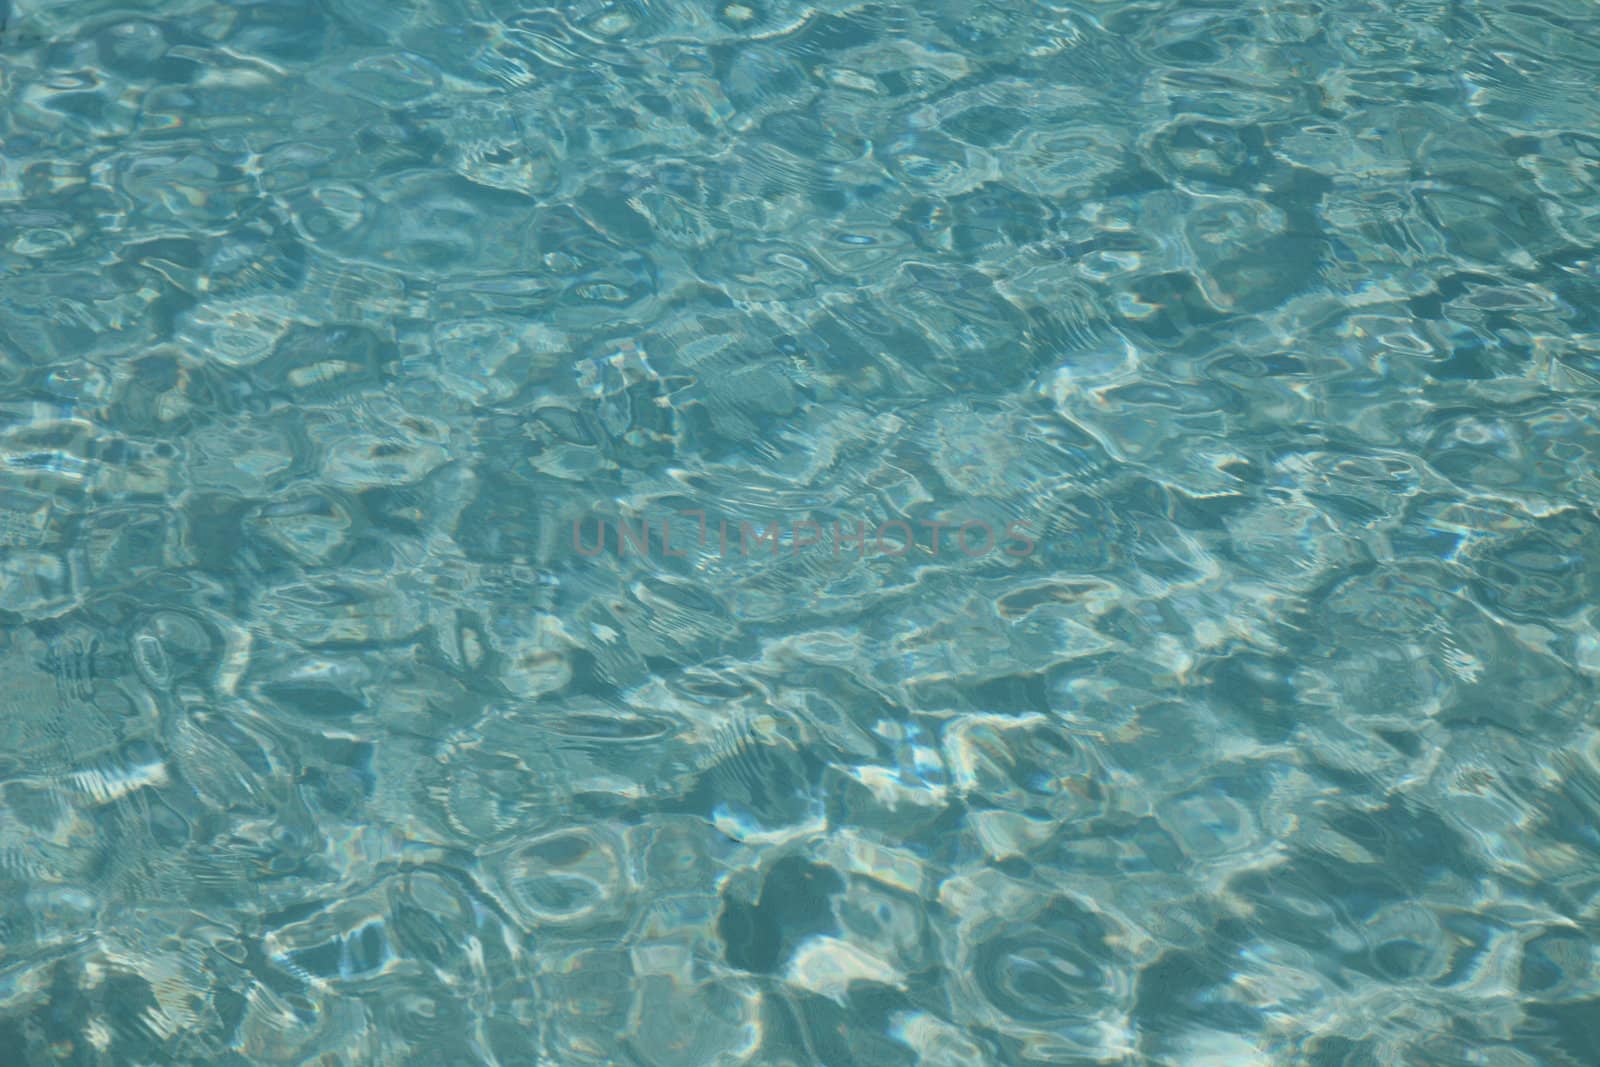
x=663, y=532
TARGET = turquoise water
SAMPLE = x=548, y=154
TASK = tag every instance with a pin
x=691, y=534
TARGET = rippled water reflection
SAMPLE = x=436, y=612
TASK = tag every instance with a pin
x=1272, y=328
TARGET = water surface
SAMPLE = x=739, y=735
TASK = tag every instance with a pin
x=469, y=479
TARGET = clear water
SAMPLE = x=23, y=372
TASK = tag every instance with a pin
x=468, y=481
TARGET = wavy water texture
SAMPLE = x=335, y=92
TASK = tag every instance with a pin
x=417, y=648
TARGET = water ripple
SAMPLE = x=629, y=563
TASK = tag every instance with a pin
x=1261, y=342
